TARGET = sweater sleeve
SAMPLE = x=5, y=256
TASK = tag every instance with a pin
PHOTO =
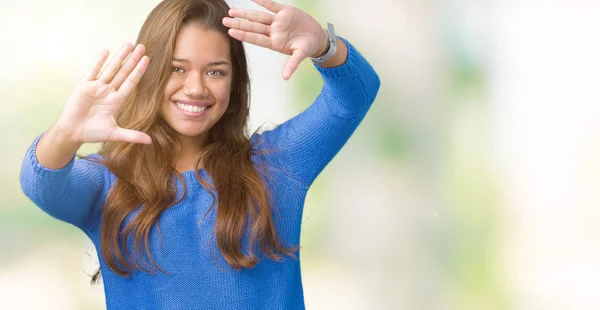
x=302, y=146
x=71, y=194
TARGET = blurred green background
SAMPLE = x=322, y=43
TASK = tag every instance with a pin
x=471, y=184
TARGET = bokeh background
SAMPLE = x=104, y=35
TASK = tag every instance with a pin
x=472, y=184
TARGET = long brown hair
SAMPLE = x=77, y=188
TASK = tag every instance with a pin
x=145, y=172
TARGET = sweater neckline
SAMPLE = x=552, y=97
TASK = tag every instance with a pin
x=190, y=175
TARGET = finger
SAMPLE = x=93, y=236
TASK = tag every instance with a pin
x=129, y=135
x=246, y=25
x=134, y=77
x=292, y=64
x=109, y=72
x=252, y=38
x=255, y=16
x=129, y=65
x=270, y=5
x=101, y=59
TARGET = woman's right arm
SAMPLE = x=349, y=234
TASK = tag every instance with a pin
x=55, y=149
x=68, y=188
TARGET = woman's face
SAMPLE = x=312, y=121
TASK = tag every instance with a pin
x=197, y=92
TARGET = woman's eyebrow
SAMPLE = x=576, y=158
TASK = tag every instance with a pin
x=213, y=63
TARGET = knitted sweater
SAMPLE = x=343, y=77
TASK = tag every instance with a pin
x=197, y=277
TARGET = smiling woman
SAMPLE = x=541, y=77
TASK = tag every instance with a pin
x=198, y=92
x=179, y=190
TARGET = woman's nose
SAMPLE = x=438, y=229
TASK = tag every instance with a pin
x=195, y=86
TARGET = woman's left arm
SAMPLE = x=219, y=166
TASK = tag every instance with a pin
x=306, y=143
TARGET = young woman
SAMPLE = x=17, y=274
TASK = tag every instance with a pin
x=187, y=210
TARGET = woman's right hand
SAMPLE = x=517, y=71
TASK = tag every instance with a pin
x=89, y=114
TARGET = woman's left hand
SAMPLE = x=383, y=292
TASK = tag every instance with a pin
x=289, y=30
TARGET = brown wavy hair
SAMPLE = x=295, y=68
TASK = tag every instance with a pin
x=145, y=172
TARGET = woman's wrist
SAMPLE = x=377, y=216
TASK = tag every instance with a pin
x=324, y=45
x=56, y=149
x=339, y=58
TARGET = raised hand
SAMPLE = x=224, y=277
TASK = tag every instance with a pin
x=89, y=114
x=289, y=30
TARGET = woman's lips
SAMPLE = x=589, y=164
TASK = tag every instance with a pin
x=188, y=110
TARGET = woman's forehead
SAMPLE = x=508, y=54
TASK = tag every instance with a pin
x=196, y=43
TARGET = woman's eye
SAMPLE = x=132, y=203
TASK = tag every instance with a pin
x=176, y=70
x=215, y=73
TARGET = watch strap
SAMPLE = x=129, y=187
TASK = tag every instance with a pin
x=331, y=45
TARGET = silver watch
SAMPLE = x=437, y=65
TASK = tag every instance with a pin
x=331, y=45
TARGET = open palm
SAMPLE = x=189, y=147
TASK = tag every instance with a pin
x=289, y=30
x=89, y=114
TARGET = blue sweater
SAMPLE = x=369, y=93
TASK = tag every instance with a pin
x=197, y=276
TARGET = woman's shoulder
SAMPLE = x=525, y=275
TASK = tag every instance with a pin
x=261, y=138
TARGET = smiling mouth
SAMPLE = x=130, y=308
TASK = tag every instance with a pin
x=191, y=108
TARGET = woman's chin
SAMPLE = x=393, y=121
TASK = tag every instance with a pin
x=190, y=133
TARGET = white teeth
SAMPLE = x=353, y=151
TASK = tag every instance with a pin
x=190, y=108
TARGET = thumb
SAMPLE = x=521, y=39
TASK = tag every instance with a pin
x=129, y=135
x=292, y=64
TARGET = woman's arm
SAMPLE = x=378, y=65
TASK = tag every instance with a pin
x=55, y=149
x=305, y=144
x=66, y=188
x=339, y=58
x=71, y=193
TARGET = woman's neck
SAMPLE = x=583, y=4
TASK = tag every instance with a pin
x=188, y=153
